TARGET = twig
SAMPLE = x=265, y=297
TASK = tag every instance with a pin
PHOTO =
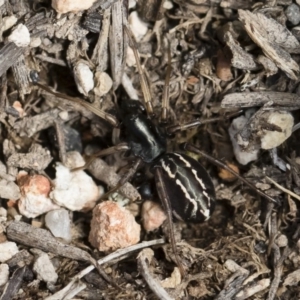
x=283, y=189
x=144, y=258
x=119, y=254
x=277, y=273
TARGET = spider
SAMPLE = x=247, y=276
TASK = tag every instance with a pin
x=183, y=185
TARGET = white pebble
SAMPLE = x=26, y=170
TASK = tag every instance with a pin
x=84, y=78
x=74, y=190
x=58, y=222
x=4, y=274
x=9, y=190
x=3, y=214
x=282, y=241
x=168, y=5
x=8, y=22
x=113, y=227
x=103, y=83
x=20, y=36
x=64, y=6
x=272, y=139
x=64, y=115
x=152, y=215
x=173, y=281
x=35, y=42
x=44, y=269
x=138, y=27
x=131, y=4
x=242, y=156
x=34, y=200
x=7, y=251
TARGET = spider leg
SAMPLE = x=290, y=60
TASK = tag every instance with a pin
x=111, y=150
x=102, y=114
x=195, y=123
x=161, y=190
x=143, y=80
x=166, y=91
x=125, y=178
x=219, y=163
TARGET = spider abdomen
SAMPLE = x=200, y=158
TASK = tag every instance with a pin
x=188, y=186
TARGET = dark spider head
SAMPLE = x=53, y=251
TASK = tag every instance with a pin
x=130, y=106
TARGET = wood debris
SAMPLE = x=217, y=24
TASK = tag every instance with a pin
x=64, y=74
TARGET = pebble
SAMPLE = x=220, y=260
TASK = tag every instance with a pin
x=152, y=215
x=3, y=214
x=103, y=83
x=44, y=268
x=282, y=119
x=74, y=190
x=4, y=274
x=131, y=4
x=8, y=22
x=292, y=13
x=84, y=78
x=34, y=200
x=241, y=155
x=138, y=27
x=113, y=227
x=72, y=138
x=58, y=222
x=282, y=241
x=20, y=36
x=173, y=281
x=168, y=5
x=7, y=251
x=9, y=190
x=64, y=6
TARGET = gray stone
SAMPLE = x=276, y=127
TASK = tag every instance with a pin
x=293, y=13
x=58, y=222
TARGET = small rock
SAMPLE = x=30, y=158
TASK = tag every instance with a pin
x=84, y=78
x=173, y=281
x=3, y=214
x=17, y=105
x=72, y=138
x=74, y=190
x=138, y=27
x=44, y=269
x=282, y=241
x=34, y=199
x=113, y=227
x=7, y=251
x=64, y=6
x=272, y=138
x=293, y=13
x=58, y=222
x=103, y=83
x=8, y=22
x=9, y=190
x=35, y=42
x=292, y=278
x=152, y=215
x=242, y=156
x=4, y=274
x=168, y=5
x=226, y=175
x=131, y=4
x=20, y=36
